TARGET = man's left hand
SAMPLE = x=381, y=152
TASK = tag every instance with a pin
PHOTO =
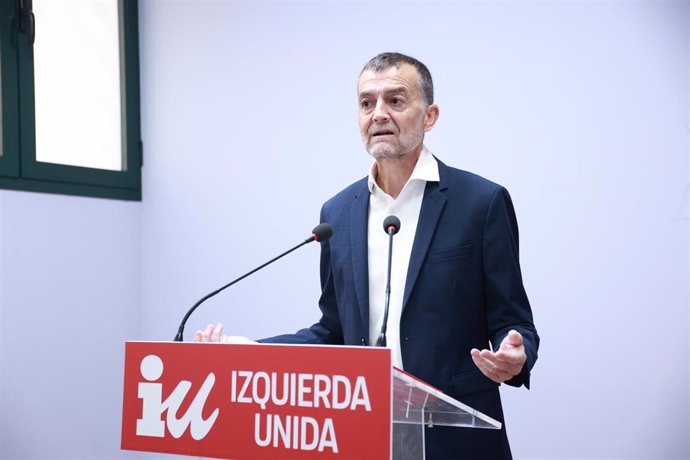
x=504, y=364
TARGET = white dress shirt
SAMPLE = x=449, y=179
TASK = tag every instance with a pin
x=406, y=207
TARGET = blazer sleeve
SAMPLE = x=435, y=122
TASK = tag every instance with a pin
x=507, y=306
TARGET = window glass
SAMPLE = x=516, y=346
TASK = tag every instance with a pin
x=77, y=83
x=1, y=117
x=1, y=136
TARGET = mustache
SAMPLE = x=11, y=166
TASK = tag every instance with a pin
x=382, y=129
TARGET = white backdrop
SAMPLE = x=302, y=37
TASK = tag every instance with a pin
x=579, y=108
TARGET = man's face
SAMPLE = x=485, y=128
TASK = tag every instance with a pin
x=393, y=116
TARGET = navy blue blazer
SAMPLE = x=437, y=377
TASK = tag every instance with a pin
x=464, y=290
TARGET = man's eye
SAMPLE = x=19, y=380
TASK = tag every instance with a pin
x=396, y=101
x=365, y=104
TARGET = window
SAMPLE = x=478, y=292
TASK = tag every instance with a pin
x=69, y=99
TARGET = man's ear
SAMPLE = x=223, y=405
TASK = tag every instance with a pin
x=432, y=113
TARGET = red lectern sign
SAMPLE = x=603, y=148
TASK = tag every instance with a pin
x=257, y=401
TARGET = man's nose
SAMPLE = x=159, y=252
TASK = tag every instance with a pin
x=380, y=113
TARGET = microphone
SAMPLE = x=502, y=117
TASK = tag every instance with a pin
x=391, y=225
x=320, y=233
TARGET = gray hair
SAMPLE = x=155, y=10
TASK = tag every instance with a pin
x=384, y=61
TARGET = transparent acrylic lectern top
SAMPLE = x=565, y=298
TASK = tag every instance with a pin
x=416, y=405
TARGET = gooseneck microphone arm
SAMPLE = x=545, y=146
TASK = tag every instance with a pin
x=321, y=233
x=391, y=225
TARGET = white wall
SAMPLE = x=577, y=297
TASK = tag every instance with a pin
x=70, y=295
x=579, y=108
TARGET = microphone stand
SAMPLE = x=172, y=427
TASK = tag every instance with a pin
x=321, y=232
x=391, y=225
x=381, y=341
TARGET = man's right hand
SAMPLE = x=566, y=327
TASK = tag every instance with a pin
x=215, y=334
x=210, y=334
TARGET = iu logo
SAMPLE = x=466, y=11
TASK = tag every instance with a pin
x=151, y=394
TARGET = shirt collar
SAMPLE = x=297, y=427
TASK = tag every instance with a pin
x=426, y=170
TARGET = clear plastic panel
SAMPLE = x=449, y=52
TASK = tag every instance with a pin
x=408, y=441
x=417, y=403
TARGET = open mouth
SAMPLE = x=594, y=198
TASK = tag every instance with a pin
x=383, y=133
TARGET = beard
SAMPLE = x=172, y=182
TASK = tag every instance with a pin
x=406, y=144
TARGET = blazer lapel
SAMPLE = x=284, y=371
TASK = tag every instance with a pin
x=359, y=214
x=432, y=205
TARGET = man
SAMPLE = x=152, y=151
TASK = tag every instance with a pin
x=456, y=283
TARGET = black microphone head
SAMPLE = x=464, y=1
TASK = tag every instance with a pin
x=322, y=232
x=391, y=225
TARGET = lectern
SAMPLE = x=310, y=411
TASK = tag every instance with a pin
x=280, y=402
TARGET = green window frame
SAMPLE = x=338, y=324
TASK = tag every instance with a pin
x=19, y=169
